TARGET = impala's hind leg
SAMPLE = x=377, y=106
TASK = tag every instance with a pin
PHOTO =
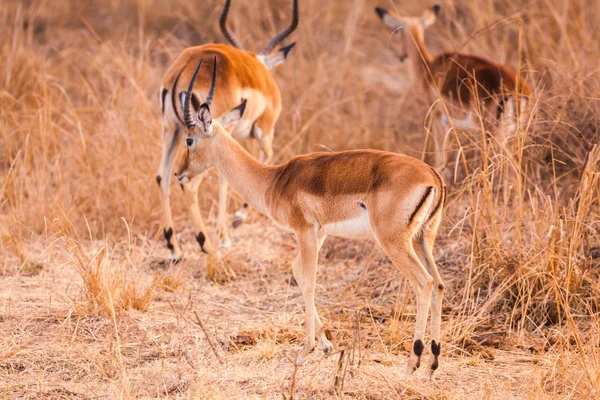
x=394, y=230
x=406, y=260
x=171, y=139
x=424, y=248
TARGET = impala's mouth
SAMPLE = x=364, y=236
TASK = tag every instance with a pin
x=182, y=177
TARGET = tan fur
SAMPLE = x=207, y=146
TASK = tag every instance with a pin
x=242, y=75
x=237, y=70
x=394, y=199
x=461, y=79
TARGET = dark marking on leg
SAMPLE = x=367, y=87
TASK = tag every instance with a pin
x=436, y=349
x=441, y=287
x=245, y=205
x=200, y=238
x=158, y=179
x=168, y=236
x=418, y=347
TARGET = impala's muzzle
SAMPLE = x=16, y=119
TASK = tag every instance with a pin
x=182, y=176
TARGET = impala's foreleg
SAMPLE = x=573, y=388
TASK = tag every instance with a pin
x=223, y=235
x=305, y=272
x=171, y=139
x=190, y=191
x=263, y=131
x=325, y=344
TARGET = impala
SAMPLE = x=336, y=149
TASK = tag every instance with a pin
x=394, y=199
x=243, y=75
x=461, y=79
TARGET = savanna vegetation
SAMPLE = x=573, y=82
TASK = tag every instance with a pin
x=89, y=306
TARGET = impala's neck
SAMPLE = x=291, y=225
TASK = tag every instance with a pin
x=418, y=54
x=248, y=177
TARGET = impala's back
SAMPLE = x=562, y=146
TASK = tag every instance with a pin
x=241, y=76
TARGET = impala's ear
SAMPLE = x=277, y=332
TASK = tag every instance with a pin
x=274, y=59
x=388, y=20
x=204, y=120
x=233, y=115
x=430, y=16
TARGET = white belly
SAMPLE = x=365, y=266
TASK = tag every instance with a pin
x=358, y=227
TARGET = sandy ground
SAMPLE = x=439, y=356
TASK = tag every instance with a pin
x=50, y=349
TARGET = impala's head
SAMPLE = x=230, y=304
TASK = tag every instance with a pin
x=266, y=55
x=201, y=130
x=408, y=28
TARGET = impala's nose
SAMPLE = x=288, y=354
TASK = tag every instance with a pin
x=182, y=177
x=381, y=11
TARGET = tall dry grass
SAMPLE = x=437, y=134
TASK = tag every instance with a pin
x=80, y=140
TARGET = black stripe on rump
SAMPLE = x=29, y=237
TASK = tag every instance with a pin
x=427, y=192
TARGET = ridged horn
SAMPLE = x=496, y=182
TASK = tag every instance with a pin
x=190, y=123
x=284, y=33
x=213, y=83
x=223, y=24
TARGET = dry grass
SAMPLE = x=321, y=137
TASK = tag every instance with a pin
x=88, y=308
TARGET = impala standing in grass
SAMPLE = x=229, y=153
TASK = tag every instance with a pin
x=461, y=79
x=391, y=198
x=243, y=75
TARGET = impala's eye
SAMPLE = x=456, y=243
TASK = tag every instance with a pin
x=189, y=142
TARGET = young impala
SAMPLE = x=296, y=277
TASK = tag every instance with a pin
x=462, y=79
x=243, y=75
x=392, y=198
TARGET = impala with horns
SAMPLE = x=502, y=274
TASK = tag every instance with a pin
x=461, y=79
x=243, y=75
x=394, y=199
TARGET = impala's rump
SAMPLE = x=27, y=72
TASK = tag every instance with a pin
x=465, y=78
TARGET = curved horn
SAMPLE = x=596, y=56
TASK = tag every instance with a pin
x=187, y=116
x=213, y=83
x=284, y=33
x=223, y=24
